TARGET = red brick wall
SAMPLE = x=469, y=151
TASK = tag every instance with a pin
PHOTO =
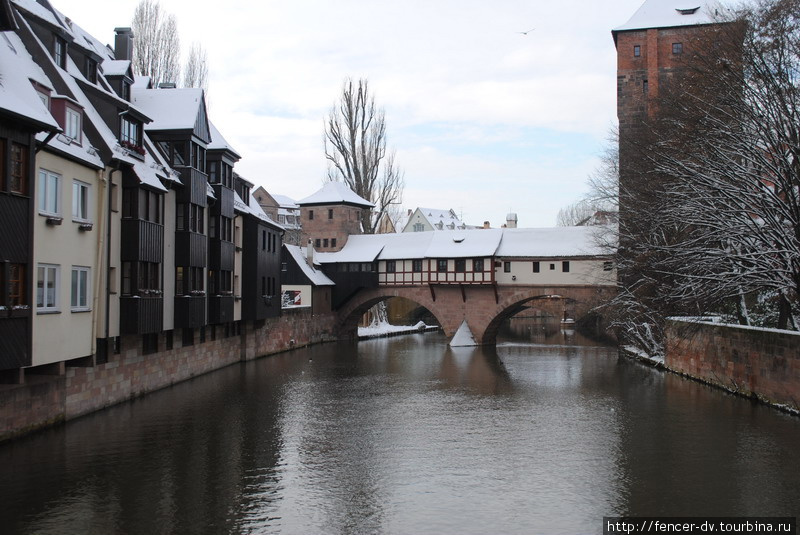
x=758, y=362
x=43, y=400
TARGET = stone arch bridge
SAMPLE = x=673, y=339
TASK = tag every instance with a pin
x=484, y=307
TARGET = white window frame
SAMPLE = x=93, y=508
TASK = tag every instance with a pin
x=49, y=181
x=80, y=302
x=72, y=124
x=46, y=273
x=81, y=190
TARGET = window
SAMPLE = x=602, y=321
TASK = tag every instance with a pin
x=263, y=240
x=645, y=86
x=310, y=214
x=536, y=268
x=80, y=201
x=325, y=242
x=130, y=132
x=284, y=266
x=15, y=290
x=477, y=265
x=90, y=70
x=333, y=242
x=416, y=266
x=461, y=265
x=317, y=243
x=419, y=227
x=441, y=265
x=677, y=48
x=72, y=125
x=507, y=267
x=79, y=299
x=608, y=266
x=552, y=267
x=212, y=172
x=60, y=52
x=49, y=193
x=330, y=213
x=150, y=206
x=19, y=169
x=47, y=287
x=391, y=266
x=44, y=97
x=565, y=266
x=637, y=51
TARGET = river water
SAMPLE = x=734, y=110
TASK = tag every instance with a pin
x=546, y=434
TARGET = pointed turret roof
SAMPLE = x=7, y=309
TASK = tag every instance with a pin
x=335, y=193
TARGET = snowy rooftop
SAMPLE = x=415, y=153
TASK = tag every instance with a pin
x=218, y=142
x=171, y=109
x=335, y=193
x=17, y=95
x=116, y=67
x=671, y=13
x=317, y=277
x=286, y=202
x=558, y=242
x=551, y=242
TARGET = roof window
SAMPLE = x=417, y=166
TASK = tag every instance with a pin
x=687, y=10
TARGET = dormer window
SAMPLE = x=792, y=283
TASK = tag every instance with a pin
x=43, y=94
x=90, y=70
x=60, y=52
x=130, y=134
x=687, y=10
x=126, y=90
x=72, y=124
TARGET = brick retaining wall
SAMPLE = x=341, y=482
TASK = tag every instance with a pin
x=45, y=400
x=764, y=363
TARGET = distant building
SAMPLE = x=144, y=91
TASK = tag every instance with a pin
x=330, y=216
x=426, y=219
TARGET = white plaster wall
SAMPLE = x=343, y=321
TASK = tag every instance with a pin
x=237, y=267
x=581, y=272
x=64, y=334
x=168, y=273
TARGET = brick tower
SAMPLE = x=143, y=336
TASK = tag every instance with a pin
x=330, y=216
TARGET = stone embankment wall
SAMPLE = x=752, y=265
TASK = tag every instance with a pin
x=763, y=363
x=74, y=391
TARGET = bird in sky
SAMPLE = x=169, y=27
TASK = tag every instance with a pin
x=526, y=33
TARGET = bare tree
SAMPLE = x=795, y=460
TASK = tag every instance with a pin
x=156, y=47
x=355, y=147
x=603, y=194
x=195, y=73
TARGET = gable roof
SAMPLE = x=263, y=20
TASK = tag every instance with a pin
x=174, y=109
x=219, y=143
x=315, y=276
x=335, y=193
x=670, y=14
x=437, y=218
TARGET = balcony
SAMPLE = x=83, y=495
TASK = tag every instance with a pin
x=220, y=309
x=141, y=315
x=190, y=311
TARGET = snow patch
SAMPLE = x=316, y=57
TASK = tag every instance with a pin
x=463, y=337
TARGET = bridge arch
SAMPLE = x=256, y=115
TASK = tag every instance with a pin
x=355, y=308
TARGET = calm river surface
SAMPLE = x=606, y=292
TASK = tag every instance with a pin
x=545, y=434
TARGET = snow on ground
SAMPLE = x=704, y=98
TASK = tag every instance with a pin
x=377, y=330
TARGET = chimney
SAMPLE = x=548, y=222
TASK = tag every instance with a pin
x=486, y=224
x=123, y=44
x=310, y=254
x=410, y=212
x=511, y=220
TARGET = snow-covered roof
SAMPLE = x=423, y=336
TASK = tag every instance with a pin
x=252, y=208
x=41, y=12
x=84, y=152
x=553, y=242
x=558, y=242
x=218, y=142
x=317, y=277
x=285, y=202
x=116, y=67
x=171, y=109
x=670, y=14
x=335, y=193
x=437, y=218
x=17, y=95
x=141, y=82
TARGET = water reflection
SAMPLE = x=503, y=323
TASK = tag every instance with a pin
x=407, y=435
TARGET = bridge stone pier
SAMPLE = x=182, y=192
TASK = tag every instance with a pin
x=484, y=307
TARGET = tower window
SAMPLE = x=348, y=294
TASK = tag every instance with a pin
x=677, y=48
x=645, y=86
x=637, y=51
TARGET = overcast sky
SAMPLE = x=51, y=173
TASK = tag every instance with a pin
x=484, y=120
